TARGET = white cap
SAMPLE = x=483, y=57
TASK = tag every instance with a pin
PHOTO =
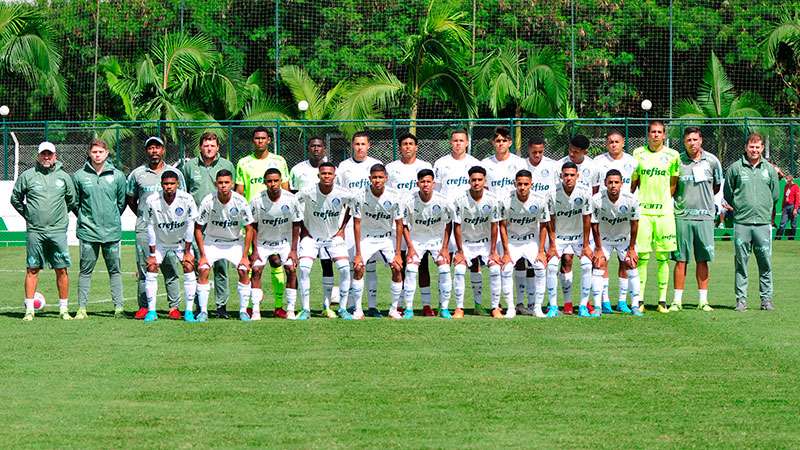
x=153, y=140
x=47, y=146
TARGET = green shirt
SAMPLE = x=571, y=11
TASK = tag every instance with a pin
x=44, y=197
x=250, y=172
x=101, y=201
x=142, y=183
x=752, y=191
x=694, y=196
x=201, y=179
x=654, y=171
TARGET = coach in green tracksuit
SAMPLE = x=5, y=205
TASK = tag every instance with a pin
x=44, y=195
x=751, y=188
x=201, y=176
x=101, y=200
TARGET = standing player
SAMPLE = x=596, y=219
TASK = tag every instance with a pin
x=170, y=218
x=250, y=181
x=478, y=212
x=218, y=237
x=378, y=231
x=577, y=153
x=700, y=179
x=323, y=209
x=615, y=223
x=656, y=177
x=201, y=179
x=572, y=217
x=429, y=218
x=615, y=158
x=277, y=227
x=43, y=195
x=143, y=182
x=526, y=220
x=450, y=171
x=502, y=167
x=100, y=191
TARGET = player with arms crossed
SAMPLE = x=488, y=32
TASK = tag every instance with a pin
x=378, y=231
x=572, y=220
x=526, y=221
x=615, y=222
x=656, y=178
x=277, y=226
x=323, y=209
x=429, y=218
x=217, y=235
x=478, y=212
x=170, y=217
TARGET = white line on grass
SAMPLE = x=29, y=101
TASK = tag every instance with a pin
x=105, y=300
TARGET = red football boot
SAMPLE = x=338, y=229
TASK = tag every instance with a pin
x=140, y=314
x=280, y=313
x=427, y=311
x=174, y=314
x=568, y=309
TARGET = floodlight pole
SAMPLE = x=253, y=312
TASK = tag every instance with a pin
x=4, y=113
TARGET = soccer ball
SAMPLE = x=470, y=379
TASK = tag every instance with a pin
x=38, y=301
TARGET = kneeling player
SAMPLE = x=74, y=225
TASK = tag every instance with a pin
x=615, y=223
x=170, y=220
x=428, y=216
x=478, y=213
x=324, y=209
x=277, y=231
x=218, y=236
x=378, y=231
x=526, y=220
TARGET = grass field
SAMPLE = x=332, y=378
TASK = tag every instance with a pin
x=688, y=379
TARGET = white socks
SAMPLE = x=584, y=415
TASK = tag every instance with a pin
x=357, y=289
x=476, y=279
x=327, y=288
x=203, y=291
x=256, y=295
x=410, y=284
x=623, y=290
x=566, y=285
x=507, y=284
x=459, y=284
x=371, y=278
x=290, y=295
x=633, y=286
x=396, y=290
x=522, y=284
x=245, y=291
x=343, y=266
x=586, y=280
x=598, y=282
x=445, y=286
x=189, y=288
x=551, y=281
x=495, y=284
x=151, y=289
x=304, y=282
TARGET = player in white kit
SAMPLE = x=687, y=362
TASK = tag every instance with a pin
x=275, y=237
x=577, y=153
x=323, y=209
x=526, y=221
x=615, y=158
x=378, y=231
x=615, y=224
x=502, y=167
x=571, y=212
x=217, y=232
x=429, y=218
x=478, y=212
x=170, y=218
x=353, y=174
x=450, y=171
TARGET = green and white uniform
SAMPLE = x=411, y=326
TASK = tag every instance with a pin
x=250, y=173
x=43, y=197
x=101, y=201
x=657, y=222
x=694, y=206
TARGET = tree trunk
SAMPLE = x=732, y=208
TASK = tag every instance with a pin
x=412, y=125
x=518, y=130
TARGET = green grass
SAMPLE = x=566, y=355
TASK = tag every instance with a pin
x=686, y=379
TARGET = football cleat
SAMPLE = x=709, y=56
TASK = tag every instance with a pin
x=444, y=313
x=623, y=308
x=327, y=312
x=290, y=315
x=243, y=316
x=344, y=314
x=188, y=316
x=358, y=315
x=662, y=308
x=458, y=313
x=568, y=310
x=374, y=313
x=552, y=311
x=140, y=313
x=280, y=313
x=427, y=311
x=256, y=315
x=510, y=313
x=395, y=314
x=201, y=317
x=408, y=314
x=583, y=311
x=606, y=308
x=497, y=313
x=28, y=316
x=174, y=314
x=705, y=307
x=81, y=314
x=675, y=306
x=304, y=315
x=119, y=313
x=151, y=316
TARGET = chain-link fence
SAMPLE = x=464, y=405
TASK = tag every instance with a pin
x=725, y=138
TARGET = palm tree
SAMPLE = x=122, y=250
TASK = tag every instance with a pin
x=781, y=50
x=434, y=61
x=717, y=99
x=535, y=84
x=27, y=50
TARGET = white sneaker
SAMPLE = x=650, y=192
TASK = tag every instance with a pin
x=290, y=315
x=395, y=314
x=256, y=315
x=537, y=312
x=358, y=315
x=511, y=313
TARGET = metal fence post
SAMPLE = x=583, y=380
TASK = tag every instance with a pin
x=394, y=139
x=625, y=147
x=792, y=159
x=277, y=44
x=278, y=138
x=5, y=148
x=46, y=125
x=230, y=141
x=116, y=148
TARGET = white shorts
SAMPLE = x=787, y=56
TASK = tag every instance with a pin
x=333, y=248
x=569, y=247
x=420, y=248
x=619, y=247
x=161, y=252
x=282, y=250
x=480, y=250
x=376, y=249
x=527, y=250
x=229, y=252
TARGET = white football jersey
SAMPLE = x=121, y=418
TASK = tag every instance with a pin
x=378, y=214
x=586, y=171
x=450, y=174
x=523, y=218
x=568, y=211
x=323, y=214
x=171, y=221
x=354, y=175
x=303, y=175
x=403, y=177
x=500, y=175
x=274, y=220
x=614, y=219
x=426, y=221
x=545, y=176
x=476, y=217
x=603, y=163
x=224, y=222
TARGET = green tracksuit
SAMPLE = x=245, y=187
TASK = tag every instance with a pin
x=44, y=197
x=201, y=181
x=101, y=201
x=752, y=190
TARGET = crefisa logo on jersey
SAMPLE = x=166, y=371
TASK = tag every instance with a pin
x=179, y=211
x=336, y=202
x=234, y=211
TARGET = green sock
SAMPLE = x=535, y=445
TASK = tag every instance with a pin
x=278, y=279
x=644, y=259
x=662, y=275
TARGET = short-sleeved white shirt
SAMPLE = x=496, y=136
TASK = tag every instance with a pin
x=224, y=221
x=323, y=214
x=545, y=176
x=403, y=177
x=568, y=211
x=501, y=175
x=603, y=163
x=614, y=219
x=378, y=214
x=426, y=221
x=476, y=217
x=303, y=175
x=274, y=220
x=451, y=175
x=171, y=221
x=586, y=170
x=523, y=218
x=354, y=175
